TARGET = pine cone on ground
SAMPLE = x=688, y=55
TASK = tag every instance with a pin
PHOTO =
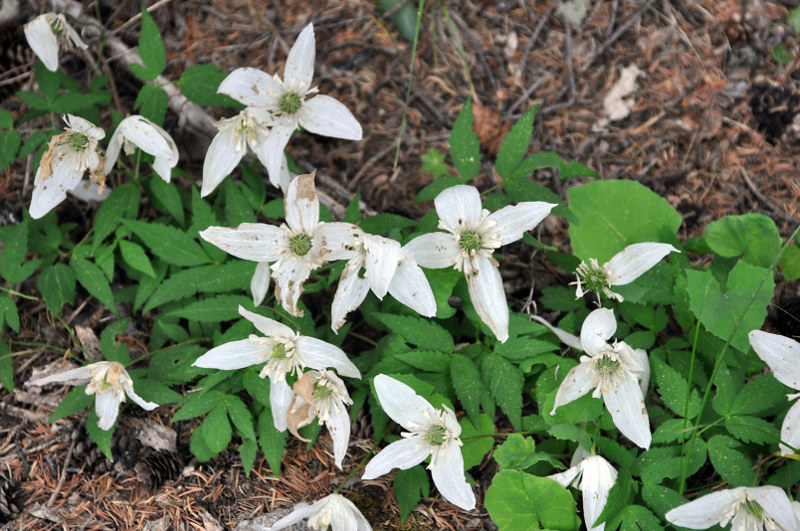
x=9, y=504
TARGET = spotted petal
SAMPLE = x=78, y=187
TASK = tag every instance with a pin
x=433, y=250
x=402, y=403
x=707, y=510
x=487, y=294
x=579, y=381
x=410, y=286
x=598, y=327
x=257, y=242
x=402, y=454
x=781, y=354
x=251, y=86
x=302, y=204
x=626, y=405
x=459, y=205
x=222, y=157
x=299, y=67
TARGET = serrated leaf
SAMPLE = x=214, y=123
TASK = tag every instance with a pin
x=522, y=348
x=618, y=498
x=123, y=202
x=505, y=382
x=734, y=466
x=418, y=331
x=199, y=405
x=409, y=487
x=426, y=360
x=152, y=103
x=383, y=224
x=134, y=256
x=165, y=197
x=199, y=83
x=57, y=286
x=752, y=430
x=519, y=453
x=467, y=385
x=674, y=389
x=172, y=245
x=515, y=145
x=9, y=145
x=525, y=190
x=272, y=441
x=102, y=438
x=198, y=446
x=6, y=367
x=6, y=119
x=760, y=394
x=433, y=163
x=465, y=148
x=671, y=430
x=516, y=500
x=436, y=187
x=212, y=309
x=247, y=453
x=151, y=50
x=230, y=276
x=477, y=440
x=15, y=246
x=92, y=278
x=638, y=518
x=217, y=432
x=8, y=311
x=240, y=416
x=74, y=401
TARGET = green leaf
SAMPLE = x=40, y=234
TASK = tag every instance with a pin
x=467, y=385
x=519, y=453
x=505, y=382
x=199, y=405
x=734, y=466
x=515, y=145
x=114, y=350
x=661, y=499
x=383, y=224
x=168, y=243
x=230, y=276
x=522, y=348
x=102, y=438
x=673, y=389
x=465, y=148
x=74, y=401
x=525, y=190
x=157, y=392
x=618, y=498
x=151, y=50
x=6, y=367
x=794, y=19
x=436, y=187
x=614, y=214
x=57, y=286
x=418, y=331
x=240, y=416
x=199, y=83
x=433, y=163
x=752, y=430
x=15, y=246
x=166, y=198
x=8, y=311
x=9, y=145
x=790, y=262
x=123, y=202
x=516, y=500
x=272, y=441
x=781, y=54
x=426, y=360
x=152, y=103
x=6, y=119
x=212, y=309
x=754, y=237
x=638, y=518
x=217, y=429
x=92, y=278
x=405, y=18
x=478, y=440
x=720, y=309
x=247, y=453
x=409, y=487
x=760, y=394
x=134, y=256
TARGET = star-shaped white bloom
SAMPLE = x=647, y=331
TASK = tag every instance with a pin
x=294, y=246
x=137, y=131
x=594, y=476
x=67, y=158
x=612, y=371
x=782, y=355
x=473, y=235
x=431, y=432
x=746, y=508
x=49, y=32
x=322, y=395
x=623, y=268
x=109, y=382
x=292, y=101
x=285, y=352
x=333, y=510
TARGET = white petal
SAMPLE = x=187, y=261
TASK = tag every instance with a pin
x=87, y=190
x=152, y=139
x=300, y=512
x=138, y=400
x=289, y=276
x=43, y=41
x=596, y=330
x=790, y=430
x=776, y=504
x=346, y=516
x=251, y=86
x=634, y=260
x=259, y=284
x=565, y=337
x=231, y=356
x=402, y=454
x=410, y=286
x=221, y=158
x=299, y=67
x=626, y=405
x=636, y=361
x=402, y=403
x=326, y=116
x=280, y=398
x=350, y=293
x=256, y=242
x=339, y=241
x=48, y=193
x=598, y=478
x=106, y=405
x=448, y=475
x=566, y=477
x=71, y=33
x=302, y=204
x=268, y=327
x=781, y=354
x=487, y=294
x=81, y=373
x=433, y=250
x=708, y=510
x=112, y=153
x=579, y=381
x=319, y=354
x=514, y=221
x=84, y=126
x=339, y=428
x=382, y=255
x=273, y=152
x=458, y=206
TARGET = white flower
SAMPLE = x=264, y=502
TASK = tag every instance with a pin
x=623, y=268
x=333, y=510
x=594, y=476
x=410, y=286
x=782, y=355
x=61, y=169
x=295, y=246
x=137, y=131
x=292, y=101
x=474, y=234
x=612, y=371
x=46, y=33
x=285, y=352
x=433, y=432
x=322, y=395
x=746, y=508
x=109, y=382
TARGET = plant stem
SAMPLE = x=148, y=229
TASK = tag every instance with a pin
x=410, y=79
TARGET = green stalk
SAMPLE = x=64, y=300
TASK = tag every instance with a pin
x=410, y=79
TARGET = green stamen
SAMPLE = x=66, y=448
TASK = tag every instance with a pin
x=56, y=28
x=78, y=142
x=606, y=365
x=279, y=352
x=321, y=391
x=595, y=278
x=436, y=435
x=300, y=244
x=470, y=241
x=290, y=103
x=754, y=509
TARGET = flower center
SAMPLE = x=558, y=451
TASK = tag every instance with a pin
x=470, y=241
x=279, y=352
x=78, y=142
x=594, y=276
x=321, y=391
x=300, y=244
x=607, y=366
x=436, y=435
x=754, y=509
x=290, y=103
